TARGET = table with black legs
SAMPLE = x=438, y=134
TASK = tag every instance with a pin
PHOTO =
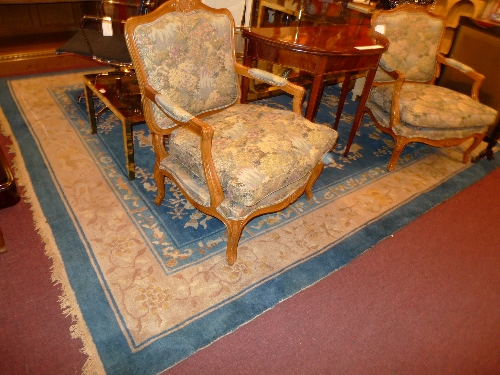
x=120, y=94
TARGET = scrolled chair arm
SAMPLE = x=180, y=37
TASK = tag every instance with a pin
x=172, y=109
x=205, y=131
x=269, y=78
x=457, y=65
x=478, y=78
x=389, y=69
x=395, y=107
x=399, y=79
x=169, y=107
x=297, y=92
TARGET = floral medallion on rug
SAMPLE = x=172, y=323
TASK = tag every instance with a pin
x=148, y=286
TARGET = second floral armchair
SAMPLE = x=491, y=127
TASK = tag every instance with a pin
x=405, y=102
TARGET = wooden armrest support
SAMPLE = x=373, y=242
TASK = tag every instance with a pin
x=395, y=108
x=297, y=92
x=478, y=78
x=197, y=126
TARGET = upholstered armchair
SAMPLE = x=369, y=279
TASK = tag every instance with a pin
x=231, y=161
x=404, y=101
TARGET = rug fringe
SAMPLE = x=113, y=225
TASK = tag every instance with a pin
x=67, y=301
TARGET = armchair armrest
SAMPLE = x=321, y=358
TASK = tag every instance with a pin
x=172, y=109
x=395, y=107
x=478, y=78
x=297, y=92
x=456, y=64
x=269, y=78
x=399, y=79
x=194, y=124
x=392, y=72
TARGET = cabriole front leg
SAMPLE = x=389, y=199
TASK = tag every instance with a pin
x=234, y=230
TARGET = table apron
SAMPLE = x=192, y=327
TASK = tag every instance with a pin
x=312, y=63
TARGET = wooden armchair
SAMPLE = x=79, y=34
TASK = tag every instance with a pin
x=404, y=101
x=231, y=161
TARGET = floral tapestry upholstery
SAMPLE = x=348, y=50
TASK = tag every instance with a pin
x=414, y=43
x=422, y=114
x=257, y=150
x=188, y=57
x=197, y=189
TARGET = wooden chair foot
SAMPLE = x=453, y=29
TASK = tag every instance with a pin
x=399, y=145
x=234, y=230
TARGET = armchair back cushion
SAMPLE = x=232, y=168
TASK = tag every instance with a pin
x=415, y=40
x=189, y=58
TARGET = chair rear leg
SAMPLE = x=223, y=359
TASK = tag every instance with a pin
x=477, y=141
x=160, y=185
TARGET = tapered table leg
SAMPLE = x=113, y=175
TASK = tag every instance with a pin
x=360, y=111
x=343, y=95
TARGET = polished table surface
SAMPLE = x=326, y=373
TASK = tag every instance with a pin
x=343, y=49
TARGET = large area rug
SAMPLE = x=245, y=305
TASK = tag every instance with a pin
x=148, y=286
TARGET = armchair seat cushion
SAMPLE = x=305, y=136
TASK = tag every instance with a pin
x=421, y=106
x=256, y=150
x=197, y=189
x=437, y=133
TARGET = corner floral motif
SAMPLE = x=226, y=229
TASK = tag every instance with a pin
x=153, y=298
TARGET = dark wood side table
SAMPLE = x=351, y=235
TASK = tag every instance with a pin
x=122, y=97
x=319, y=50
